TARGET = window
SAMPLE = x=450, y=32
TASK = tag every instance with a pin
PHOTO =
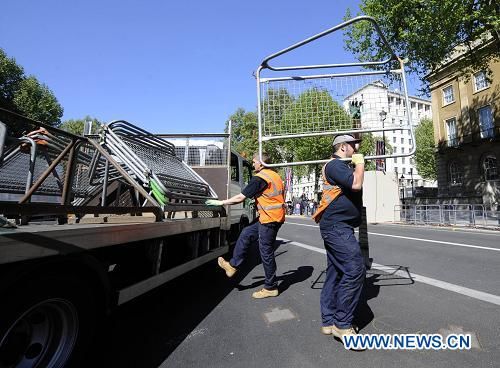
x=403, y=160
x=402, y=140
x=404, y=170
x=402, y=150
x=448, y=96
x=401, y=122
x=395, y=149
x=486, y=122
x=410, y=142
x=393, y=121
x=490, y=168
x=393, y=139
x=247, y=172
x=451, y=129
x=235, y=173
x=395, y=161
x=480, y=81
x=456, y=174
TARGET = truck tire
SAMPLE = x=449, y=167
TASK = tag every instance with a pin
x=47, y=323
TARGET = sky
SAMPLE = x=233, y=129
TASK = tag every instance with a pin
x=166, y=66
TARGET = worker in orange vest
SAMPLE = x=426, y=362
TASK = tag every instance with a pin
x=267, y=187
x=338, y=214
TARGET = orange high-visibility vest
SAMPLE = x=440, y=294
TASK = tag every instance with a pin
x=330, y=192
x=271, y=203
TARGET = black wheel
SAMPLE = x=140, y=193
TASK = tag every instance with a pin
x=47, y=323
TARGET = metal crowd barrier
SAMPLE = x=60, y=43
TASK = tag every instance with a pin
x=153, y=162
x=448, y=214
x=45, y=171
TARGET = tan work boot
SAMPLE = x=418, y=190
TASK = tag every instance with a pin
x=339, y=332
x=265, y=293
x=327, y=330
x=226, y=266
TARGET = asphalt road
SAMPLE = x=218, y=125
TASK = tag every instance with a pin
x=447, y=281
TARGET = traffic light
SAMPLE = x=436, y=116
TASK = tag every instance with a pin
x=355, y=109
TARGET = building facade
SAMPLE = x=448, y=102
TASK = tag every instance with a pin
x=392, y=111
x=466, y=116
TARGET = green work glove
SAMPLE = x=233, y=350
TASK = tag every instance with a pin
x=358, y=158
x=213, y=202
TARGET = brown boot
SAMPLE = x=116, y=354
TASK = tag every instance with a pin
x=327, y=330
x=265, y=293
x=226, y=266
x=339, y=332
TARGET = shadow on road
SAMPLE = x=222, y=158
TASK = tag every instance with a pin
x=285, y=280
x=389, y=275
x=145, y=331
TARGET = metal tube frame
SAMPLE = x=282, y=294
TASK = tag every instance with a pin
x=265, y=65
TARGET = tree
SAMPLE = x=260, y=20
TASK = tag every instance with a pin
x=76, y=126
x=244, y=133
x=37, y=102
x=26, y=95
x=11, y=75
x=425, y=153
x=425, y=32
x=368, y=147
x=312, y=106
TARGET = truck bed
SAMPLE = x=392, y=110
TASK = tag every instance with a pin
x=41, y=239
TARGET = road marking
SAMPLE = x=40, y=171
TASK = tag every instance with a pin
x=437, y=241
x=296, y=223
x=417, y=239
x=476, y=294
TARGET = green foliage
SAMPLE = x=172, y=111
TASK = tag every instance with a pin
x=282, y=113
x=244, y=133
x=26, y=95
x=37, y=102
x=311, y=106
x=368, y=147
x=273, y=106
x=425, y=157
x=11, y=75
x=76, y=126
x=425, y=32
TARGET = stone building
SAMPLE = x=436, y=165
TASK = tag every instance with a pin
x=466, y=117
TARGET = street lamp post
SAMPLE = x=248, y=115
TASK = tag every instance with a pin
x=402, y=182
x=412, y=185
x=383, y=116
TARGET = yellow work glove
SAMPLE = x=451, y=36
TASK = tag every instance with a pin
x=213, y=202
x=358, y=158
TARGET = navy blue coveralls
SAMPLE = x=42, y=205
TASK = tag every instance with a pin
x=345, y=271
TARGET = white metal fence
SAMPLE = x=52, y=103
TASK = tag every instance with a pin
x=448, y=214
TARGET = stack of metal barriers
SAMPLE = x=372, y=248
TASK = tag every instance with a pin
x=124, y=169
